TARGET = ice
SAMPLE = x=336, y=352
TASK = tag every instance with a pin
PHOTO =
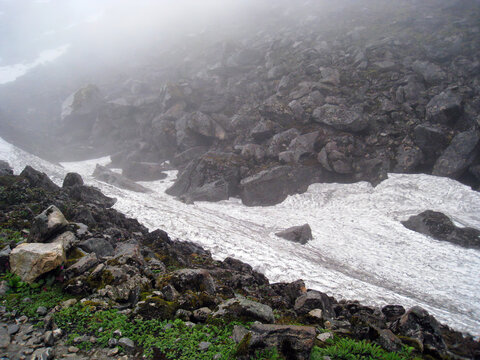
x=360, y=249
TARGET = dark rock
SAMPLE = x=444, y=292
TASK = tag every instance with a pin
x=388, y=341
x=431, y=73
x=408, y=159
x=299, y=234
x=445, y=108
x=263, y=130
x=48, y=224
x=90, y=195
x=72, y=179
x=417, y=323
x=204, y=345
x=281, y=141
x=99, y=246
x=253, y=151
x=337, y=155
x=393, y=312
x=193, y=279
x=201, y=315
x=431, y=139
x=103, y=174
x=440, y=227
x=38, y=179
x=245, y=310
x=81, y=266
x=13, y=329
x=340, y=118
x=189, y=155
x=303, y=145
x=143, y=171
x=272, y=186
x=459, y=155
x=292, y=342
x=314, y=300
x=4, y=258
x=277, y=112
x=5, y=168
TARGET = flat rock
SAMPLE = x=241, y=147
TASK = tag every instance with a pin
x=340, y=118
x=241, y=308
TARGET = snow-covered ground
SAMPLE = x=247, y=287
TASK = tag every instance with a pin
x=360, y=249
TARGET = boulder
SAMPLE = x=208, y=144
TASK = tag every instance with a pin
x=445, y=108
x=90, y=195
x=439, y=226
x=304, y=145
x=30, y=260
x=253, y=151
x=276, y=111
x=272, y=186
x=408, y=158
x=193, y=279
x=431, y=139
x=4, y=258
x=263, y=130
x=340, y=117
x=431, y=73
x=48, y=224
x=72, y=179
x=38, y=179
x=197, y=129
x=143, y=171
x=417, y=323
x=281, y=141
x=101, y=247
x=81, y=266
x=458, y=156
x=246, y=310
x=314, y=300
x=84, y=101
x=299, y=234
x=103, y=174
x=5, y=168
x=393, y=312
x=337, y=155
x=292, y=342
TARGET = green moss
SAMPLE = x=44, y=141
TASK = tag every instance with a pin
x=73, y=256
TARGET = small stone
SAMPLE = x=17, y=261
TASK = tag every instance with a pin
x=217, y=356
x=112, y=342
x=204, y=345
x=4, y=338
x=13, y=329
x=22, y=320
x=127, y=344
x=73, y=349
x=68, y=303
x=112, y=352
x=42, y=310
x=48, y=338
x=316, y=314
x=117, y=333
x=189, y=324
x=325, y=336
x=57, y=333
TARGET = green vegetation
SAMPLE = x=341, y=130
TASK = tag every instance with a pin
x=348, y=349
x=27, y=298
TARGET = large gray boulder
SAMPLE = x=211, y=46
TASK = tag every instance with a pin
x=445, y=108
x=103, y=174
x=90, y=195
x=431, y=139
x=431, y=73
x=293, y=342
x=30, y=260
x=272, y=186
x=304, y=145
x=300, y=234
x=72, y=179
x=281, y=141
x=340, y=117
x=143, y=171
x=314, y=300
x=246, y=310
x=440, y=227
x=459, y=155
x=193, y=279
x=101, y=247
x=47, y=224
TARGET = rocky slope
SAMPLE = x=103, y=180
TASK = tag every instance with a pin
x=305, y=95
x=96, y=254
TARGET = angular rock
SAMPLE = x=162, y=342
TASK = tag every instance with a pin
x=440, y=227
x=4, y=338
x=340, y=118
x=38, y=179
x=281, y=141
x=459, y=155
x=201, y=315
x=90, y=195
x=445, y=108
x=272, y=186
x=30, y=260
x=127, y=345
x=305, y=144
x=263, y=130
x=5, y=168
x=193, y=279
x=243, y=309
x=431, y=139
x=82, y=265
x=72, y=179
x=314, y=300
x=293, y=342
x=431, y=73
x=143, y=171
x=4, y=257
x=299, y=234
x=48, y=224
x=393, y=312
x=103, y=174
x=101, y=247
x=408, y=159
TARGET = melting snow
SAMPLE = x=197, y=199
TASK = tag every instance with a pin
x=360, y=249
